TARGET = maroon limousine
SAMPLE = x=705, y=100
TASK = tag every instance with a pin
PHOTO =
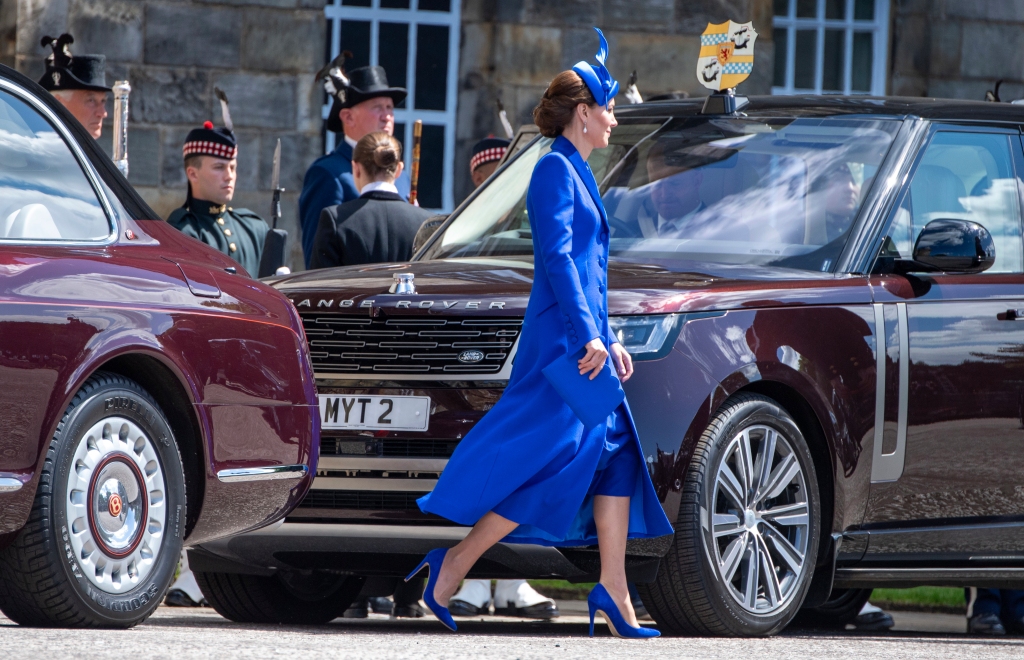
x=824, y=297
x=151, y=392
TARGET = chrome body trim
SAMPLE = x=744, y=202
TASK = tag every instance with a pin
x=377, y=463
x=10, y=484
x=374, y=483
x=267, y=473
x=445, y=533
x=889, y=467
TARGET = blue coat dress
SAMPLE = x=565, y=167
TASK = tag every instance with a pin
x=329, y=182
x=529, y=458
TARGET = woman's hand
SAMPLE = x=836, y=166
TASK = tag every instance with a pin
x=623, y=361
x=595, y=358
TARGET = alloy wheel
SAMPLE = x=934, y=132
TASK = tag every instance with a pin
x=758, y=536
x=116, y=509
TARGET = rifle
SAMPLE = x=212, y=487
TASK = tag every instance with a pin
x=417, y=137
x=273, y=257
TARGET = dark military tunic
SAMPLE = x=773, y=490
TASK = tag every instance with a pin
x=238, y=233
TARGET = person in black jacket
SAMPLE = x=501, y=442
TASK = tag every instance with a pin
x=380, y=225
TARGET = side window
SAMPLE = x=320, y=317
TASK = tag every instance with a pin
x=966, y=176
x=44, y=194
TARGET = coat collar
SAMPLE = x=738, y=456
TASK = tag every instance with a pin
x=563, y=146
x=385, y=195
x=343, y=149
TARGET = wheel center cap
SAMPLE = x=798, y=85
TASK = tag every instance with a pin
x=114, y=505
x=749, y=520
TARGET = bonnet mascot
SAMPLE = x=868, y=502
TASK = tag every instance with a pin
x=557, y=461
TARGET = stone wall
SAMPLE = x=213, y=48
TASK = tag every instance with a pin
x=511, y=49
x=957, y=48
x=262, y=53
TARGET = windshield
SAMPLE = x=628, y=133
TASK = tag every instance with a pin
x=776, y=192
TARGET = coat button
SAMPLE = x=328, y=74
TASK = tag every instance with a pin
x=604, y=236
x=600, y=287
x=232, y=247
x=227, y=232
x=220, y=221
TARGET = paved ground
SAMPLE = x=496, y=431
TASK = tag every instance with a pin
x=177, y=633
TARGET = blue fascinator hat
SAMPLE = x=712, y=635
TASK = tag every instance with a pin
x=598, y=80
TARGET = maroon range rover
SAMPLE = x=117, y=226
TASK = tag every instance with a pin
x=823, y=297
x=151, y=392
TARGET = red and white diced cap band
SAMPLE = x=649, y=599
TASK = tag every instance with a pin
x=486, y=156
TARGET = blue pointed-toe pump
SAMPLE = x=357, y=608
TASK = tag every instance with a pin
x=433, y=562
x=601, y=601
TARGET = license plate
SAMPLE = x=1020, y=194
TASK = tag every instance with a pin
x=395, y=413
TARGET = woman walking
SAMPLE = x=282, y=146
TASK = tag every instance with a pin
x=529, y=471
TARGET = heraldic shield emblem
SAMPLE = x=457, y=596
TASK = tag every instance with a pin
x=726, y=55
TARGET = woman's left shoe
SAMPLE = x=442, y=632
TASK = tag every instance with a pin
x=601, y=601
x=433, y=562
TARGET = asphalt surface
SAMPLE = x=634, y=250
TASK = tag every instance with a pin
x=188, y=633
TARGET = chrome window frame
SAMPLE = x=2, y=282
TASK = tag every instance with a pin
x=83, y=161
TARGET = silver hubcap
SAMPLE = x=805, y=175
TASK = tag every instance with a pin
x=759, y=520
x=116, y=510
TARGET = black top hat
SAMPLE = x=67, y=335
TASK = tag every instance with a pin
x=364, y=84
x=67, y=71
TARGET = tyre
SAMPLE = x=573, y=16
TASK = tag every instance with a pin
x=295, y=597
x=104, y=533
x=841, y=608
x=747, y=533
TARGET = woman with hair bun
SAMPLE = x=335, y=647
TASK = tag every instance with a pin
x=530, y=471
x=380, y=225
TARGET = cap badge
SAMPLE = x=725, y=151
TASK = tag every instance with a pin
x=56, y=78
x=726, y=54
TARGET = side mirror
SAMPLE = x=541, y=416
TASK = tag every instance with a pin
x=427, y=230
x=949, y=245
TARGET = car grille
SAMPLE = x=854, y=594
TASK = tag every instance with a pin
x=367, y=500
x=409, y=345
x=390, y=447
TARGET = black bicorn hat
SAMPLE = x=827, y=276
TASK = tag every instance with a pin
x=210, y=141
x=349, y=88
x=65, y=71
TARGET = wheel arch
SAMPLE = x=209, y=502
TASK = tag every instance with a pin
x=165, y=386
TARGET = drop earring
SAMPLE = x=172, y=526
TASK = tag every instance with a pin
x=584, y=126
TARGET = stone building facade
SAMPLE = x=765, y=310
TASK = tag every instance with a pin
x=263, y=53
x=957, y=48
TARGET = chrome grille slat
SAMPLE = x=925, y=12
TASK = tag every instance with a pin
x=413, y=345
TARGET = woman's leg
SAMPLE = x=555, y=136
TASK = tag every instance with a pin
x=486, y=532
x=611, y=514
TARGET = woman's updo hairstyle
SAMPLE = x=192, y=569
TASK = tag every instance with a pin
x=379, y=154
x=558, y=105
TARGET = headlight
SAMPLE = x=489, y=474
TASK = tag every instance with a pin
x=647, y=337
x=652, y=337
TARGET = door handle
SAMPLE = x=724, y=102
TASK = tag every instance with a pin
x=1011, y=315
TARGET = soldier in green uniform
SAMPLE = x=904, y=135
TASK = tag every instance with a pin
x=210, y=165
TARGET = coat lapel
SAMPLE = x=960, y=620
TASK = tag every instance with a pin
x=583, y=170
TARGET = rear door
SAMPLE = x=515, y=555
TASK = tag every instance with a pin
x=949, y=438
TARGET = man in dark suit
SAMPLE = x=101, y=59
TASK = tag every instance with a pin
x=378, y=226
x=364, y=102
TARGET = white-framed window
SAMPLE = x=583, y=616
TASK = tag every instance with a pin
x=417, y=43
x=830, y=46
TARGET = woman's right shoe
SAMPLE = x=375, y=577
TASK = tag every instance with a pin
x=433, y=562
x=601, y=601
